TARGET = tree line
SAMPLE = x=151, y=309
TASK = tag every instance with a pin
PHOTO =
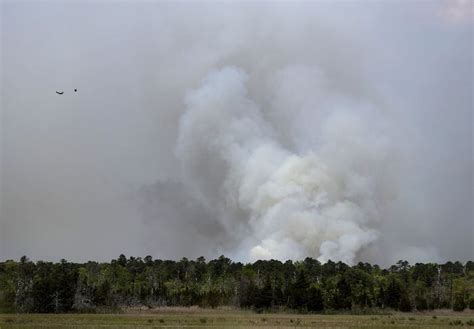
x=303, y=286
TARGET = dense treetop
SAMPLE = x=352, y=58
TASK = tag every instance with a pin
x=304, y=286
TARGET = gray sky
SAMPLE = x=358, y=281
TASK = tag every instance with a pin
x=93, y=174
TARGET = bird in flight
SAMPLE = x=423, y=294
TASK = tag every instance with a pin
x=59, y=92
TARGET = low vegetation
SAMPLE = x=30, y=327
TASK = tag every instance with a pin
x=218, y=318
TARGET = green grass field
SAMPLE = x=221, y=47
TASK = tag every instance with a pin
x=197, y=318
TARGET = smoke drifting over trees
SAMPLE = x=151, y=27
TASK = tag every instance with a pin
x=334, y=131
x=277, y=203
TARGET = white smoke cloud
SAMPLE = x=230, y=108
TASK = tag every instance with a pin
x=320, y=203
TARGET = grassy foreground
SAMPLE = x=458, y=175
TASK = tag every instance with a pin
x=198, y=318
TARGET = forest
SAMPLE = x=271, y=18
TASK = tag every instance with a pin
x=306, y=286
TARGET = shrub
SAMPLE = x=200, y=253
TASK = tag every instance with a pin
x=405, y=305
x=459, y=304
x=456, y=323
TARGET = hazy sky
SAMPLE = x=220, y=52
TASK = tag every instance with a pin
x=103, y=171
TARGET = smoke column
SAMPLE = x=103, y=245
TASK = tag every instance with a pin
x=281, y=204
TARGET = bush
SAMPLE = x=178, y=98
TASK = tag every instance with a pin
x=459, y=304
x=405, y=305
x=421, y=303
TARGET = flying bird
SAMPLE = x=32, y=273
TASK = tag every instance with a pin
x=59, y=92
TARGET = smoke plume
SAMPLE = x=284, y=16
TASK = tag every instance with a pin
x=280, y=203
